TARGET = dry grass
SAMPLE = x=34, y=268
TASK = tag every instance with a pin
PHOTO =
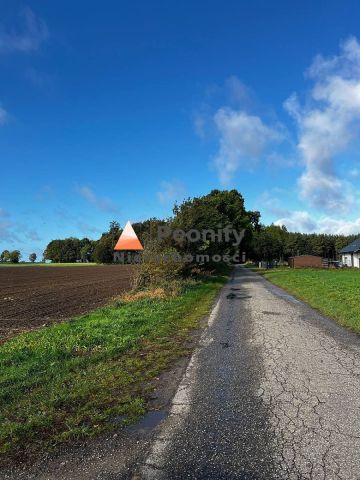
x=171, y=290
x=154, y=293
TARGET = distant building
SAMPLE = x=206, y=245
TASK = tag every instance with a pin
x=302, y=261
x=350, y=255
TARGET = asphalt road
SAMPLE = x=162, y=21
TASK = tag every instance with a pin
x=272, y=392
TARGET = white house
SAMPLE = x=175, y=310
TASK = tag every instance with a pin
x=350, y=255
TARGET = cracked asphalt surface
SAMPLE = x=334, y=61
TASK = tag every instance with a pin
x=272, y=392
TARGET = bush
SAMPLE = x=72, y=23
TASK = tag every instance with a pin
x=159, y=266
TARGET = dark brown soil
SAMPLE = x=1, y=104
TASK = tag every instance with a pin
x=31, y=297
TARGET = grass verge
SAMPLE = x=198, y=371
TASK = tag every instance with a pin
x=93, y=373
x=333, y=292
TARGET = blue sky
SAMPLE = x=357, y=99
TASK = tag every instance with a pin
x=114, y=110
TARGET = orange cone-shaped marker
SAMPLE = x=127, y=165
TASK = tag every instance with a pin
x=128, y=239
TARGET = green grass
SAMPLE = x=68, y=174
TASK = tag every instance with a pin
x=333, y=292
x=93, y=373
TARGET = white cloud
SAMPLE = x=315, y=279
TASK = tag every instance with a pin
x=103, y=204
x=328, y=124
x=29, y=38
x=233, y=92
x=298, y=221
x=237, y=90
x=4, y=116
x=14, y=232
x=171, y=191
x=302, y=221
x=271, y=204
x=244, y=139
x=339, y=227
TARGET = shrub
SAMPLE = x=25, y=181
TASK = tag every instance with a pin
x=159, y=266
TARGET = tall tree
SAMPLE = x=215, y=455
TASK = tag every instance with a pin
x=104, y=249
x=15, y=256
x=5, y=256
x=215, y=211
x=67, y=250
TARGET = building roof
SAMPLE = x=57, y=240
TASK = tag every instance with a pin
x=353, y=247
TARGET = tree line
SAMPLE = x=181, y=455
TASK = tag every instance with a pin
x=14, y=256
x=276, y=243
x=218, y=209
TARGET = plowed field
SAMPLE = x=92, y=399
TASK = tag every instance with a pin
x=31, y=297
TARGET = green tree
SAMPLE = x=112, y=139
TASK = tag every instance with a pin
x=104, y=249
x=15, y=256
x=32, y=257
x=217, y=210
x=67, y=250
x=270, y=243
x=147, y=231
x=5, y=256
x=87, y=250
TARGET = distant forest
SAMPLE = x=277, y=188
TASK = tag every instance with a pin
x=267, y=243
x=216, y=210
